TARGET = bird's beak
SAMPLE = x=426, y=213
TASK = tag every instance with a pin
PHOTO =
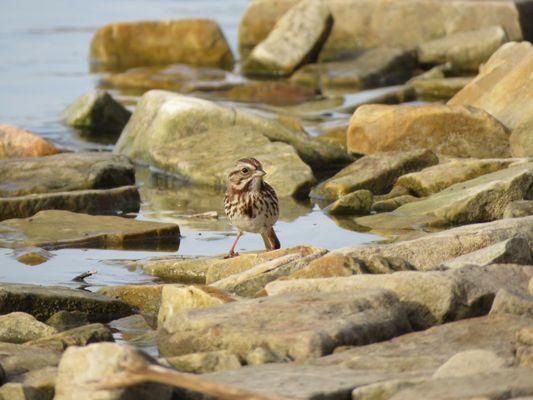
x=259, y=173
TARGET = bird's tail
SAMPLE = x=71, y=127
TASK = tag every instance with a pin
x=271, y=240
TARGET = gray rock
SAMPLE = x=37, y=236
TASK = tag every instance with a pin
x=97, y=112
x=17, y=359
x=80, y=367
x=519, y=208
x=19, y=327
x=201, y=363
x=358, y=202
x=38, y=384
x=385, y=389
x=44, y=301
x=297, y=326
x=470, y=362
x=295, y=40
x=512, y=302
x=63, y=320
x=80, y=336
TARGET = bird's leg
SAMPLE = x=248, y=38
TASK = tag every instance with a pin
x=231, y=252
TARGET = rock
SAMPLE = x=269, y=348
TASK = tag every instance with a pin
x=262, y=355
x=503, y=87
x=18, y=391
x=33, y=256
x=16, y=142
x=448, y=130
x=250, y=282
x=438, y=177
x=179, y=297
x=429, y=251
x=376, y=173
x=477, y=200
x=358, y=202
x=439, y=88
x=513, y=251
x=38, y=384
x=521, y=138
x=97, y=112
x=298, y=326
x=524, y=357
x=137, y=331
x=197, y=42
x=525, y=336
x=296, y=39
x=80, y=367
x=519, y=208
x=470, y=362
x=512, y=302
x=145, y=298
x=362, y=24
x=373, y=68
x=19, y=327
x=17, y=359
x=80, y=336
x=201, y=363
x=177, y=268
x=44, y=301
x=384, y=389
x=178, y=136
x=64, y=320
x=440, y=296
x=58, y=229
x=465, y=51
x=393, y=203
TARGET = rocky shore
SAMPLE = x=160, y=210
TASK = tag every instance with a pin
x=411, y=120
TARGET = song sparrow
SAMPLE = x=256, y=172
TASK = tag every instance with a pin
x=251, y=204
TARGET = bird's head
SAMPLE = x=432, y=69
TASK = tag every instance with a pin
x=247, y=175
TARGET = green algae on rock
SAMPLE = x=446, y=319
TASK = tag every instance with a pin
x=357, y=202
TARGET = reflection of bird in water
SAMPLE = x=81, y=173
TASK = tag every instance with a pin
x=251, y=204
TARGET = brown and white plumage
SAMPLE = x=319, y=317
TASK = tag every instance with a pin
x=250, y=203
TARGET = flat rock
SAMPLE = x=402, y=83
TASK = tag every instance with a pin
x=17, y=359
x=470, y=362
x=512, y=302
x=391, y=204
x=503, y=87
x=448, y=130
x=197, y=42
x=201, y=363
x=521, y=138
x=518, y=208
x=19, y=327
x=465, y=51
x=296, y=39
x=80, y=336
x=297, y=326
x=59, y=229
x=358, y=202
x=376, y=173
x=477, y=200
x=145, y=298
x=430, y=297
x=16, y=142
x=435, y=89
x=44, y=301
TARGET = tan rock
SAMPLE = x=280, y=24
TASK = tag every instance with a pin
x=38, y=384
x=470, y=362
x=522, y=138
x=200, y=363
x=448, y=130
x=33, y=256
x=17, y=142
x=80, y=336
x=518, y=208
x=439, y=88
x=19, y=327
x=197, y=42
x=391, y=204
x=358, y=202
x=145, y=298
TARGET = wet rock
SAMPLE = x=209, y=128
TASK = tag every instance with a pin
x=178, y=136
x=97, y=112
x=358, y=202
x=512, y=302
x=19, y=327
x=465, y=51
x=33, y=256
x=373, y=68
x=470, y=362
x=177, y=268
x=503, y=87
x=477, y=200
x=393, y=203
x=429, y=251
x=201, y=363
x=179, y=297
x=145, y=298
x=80, y=367
x=64, y=320
x=296, y=39
x=521, y=138
x=38, y=384
x=17, y=142
x=440, y=296
x=439, y=88
x=197, y=42
x=44, y=301
x=298, y=326
x=136, y=330
x=519, y=208
x=438, y=177
x=17, y=359
x=448, y=130
x=514, y=251
x=58, y=229
x=361, y=24
x=376, y=173
x=80, y=336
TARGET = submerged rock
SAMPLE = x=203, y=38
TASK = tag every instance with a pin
x=97, y=112
x=19, y=327
x=448, y=130
x=123, y=45
x=298, y=326
x=296, y=39
x=16, y=142
x=32, y=255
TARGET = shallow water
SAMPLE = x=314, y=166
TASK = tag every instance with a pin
x=44, y=68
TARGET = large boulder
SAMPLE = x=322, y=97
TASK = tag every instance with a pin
x=201, y=141
x=123, y=45
x=17, y=142
x=504, y=87
x=364, y=24
x=449, y=130
x=297, y=326
x=295, y=40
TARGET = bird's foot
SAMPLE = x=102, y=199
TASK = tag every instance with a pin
x=231, y=254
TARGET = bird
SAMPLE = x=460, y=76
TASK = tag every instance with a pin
x=251, y=204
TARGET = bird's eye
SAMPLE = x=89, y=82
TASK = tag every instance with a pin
x=244, y=170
